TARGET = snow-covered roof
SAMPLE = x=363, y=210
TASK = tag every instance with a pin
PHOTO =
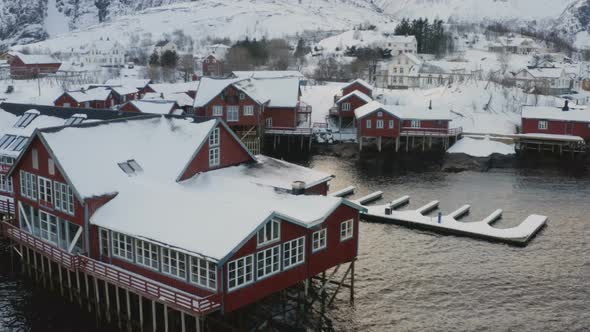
x=481, y=147
x=556, y=113
x=181, y=98
x=134, y=82
x=404, y=112
x=124, y=90
x=154, y=106
x=545, y=72
x=175, y=87
x=281, y=174
x=90, y=95
x=209, y=88
x=361, y=82
x=402, y=39
x=268, y=74
x=412, y=57
x=357, y=94
x=104, y=45
x=32, y=59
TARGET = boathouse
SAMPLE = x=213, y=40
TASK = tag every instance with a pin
x=407, y=126
x=99, y=97
x=178, y=212
x=26, y=66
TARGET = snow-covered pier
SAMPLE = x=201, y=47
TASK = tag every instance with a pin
x=449, y=224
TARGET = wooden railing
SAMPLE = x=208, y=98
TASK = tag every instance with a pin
x=288, y=131
x=7, y=207
x=410, y=131
x=146, y=287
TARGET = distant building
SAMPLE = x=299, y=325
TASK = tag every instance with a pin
x=165, y=45
x=24, y=66
x=401, y=44
x=571, y=121
x=213, y=66
x=104, y=52
x=553, y=81
x=514, y=45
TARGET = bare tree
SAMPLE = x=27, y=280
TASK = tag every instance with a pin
x=504, y=60
x=187, y=66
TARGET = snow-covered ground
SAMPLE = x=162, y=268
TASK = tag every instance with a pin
x=481, y=147
x=233, y=19
x=42, y=92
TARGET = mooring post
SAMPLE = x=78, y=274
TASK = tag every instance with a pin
x=198, y=322
x=79, y=293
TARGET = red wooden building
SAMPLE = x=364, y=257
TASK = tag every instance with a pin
x=152, y=106
x=213, y=66
x=377, y=121
x=25, y=66
x=235, y=230
x=570, y=121
x=98, y=97
x=358, y=85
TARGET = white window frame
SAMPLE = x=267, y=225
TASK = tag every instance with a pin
x=214, y=157
x=269, y=233
x=345, y=107
x=51, y=166
x=173, y=263
x=28, y=185
x=203, y=272
x=6, y=183
x=380, y=114
x=122, y=246
x=45, y=190
x=319, y=240
x=415, y=124
x=268, y=262
x=380, y=124
x=104, y=242
x=543, y=124
x=368, y=124
x=293, y=253
x=346, y=230
x=268, y=122
x=35, y=157
x=243, y=272
x=391, y=124
x=144, y=254
x=63, y=198
x=242, y=96
x=48, y=227
x=217, y=110
x=233, y=113
x=248, y=110
x=214, y=137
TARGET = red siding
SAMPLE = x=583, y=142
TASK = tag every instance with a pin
x=355, y=102
x=428, y=125
x=373, y=131
x=65, y=99
x=336, y=253
x=282, y=117
x=129, y=107
x=357, y=87
x=555, y=127
x=318, y=189
x=232, y=98
x=232, y=153
x=18, y=69
x=212, y=66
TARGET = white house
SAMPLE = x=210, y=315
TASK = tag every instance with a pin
x=163, y=46
x=514, y=45
x=398, y=70
x=547, y=80
x=401, y=44
x=104, y=52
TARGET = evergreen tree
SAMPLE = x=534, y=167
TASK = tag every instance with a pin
x=154, y=59
x=169, y=59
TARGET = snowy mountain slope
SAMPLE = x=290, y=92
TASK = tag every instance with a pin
x=575, y=21
x=233, y=19
x=475, y=10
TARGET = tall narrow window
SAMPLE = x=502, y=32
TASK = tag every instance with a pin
x=345, y=106
x=217, y=110
x=64, y=198
x=268, y=262
x=319, y=240
x=379, y=124
x=48, y=225
x=104, y=242
x=214, y=159
x=346, y=230
x=51, y=166
x=248, y=110
x=543, y=124
x=35, y=157
x=28, y=185
x=45, y=190
x=294, y=252
x=214, y=137
x=271, y=232
x=391, y=124
x=240, y=272
x=233, y=113
x=368, y=124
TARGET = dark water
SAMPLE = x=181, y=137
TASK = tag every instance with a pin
x=408, y=280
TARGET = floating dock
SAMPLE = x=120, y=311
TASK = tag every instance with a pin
x=449, y=224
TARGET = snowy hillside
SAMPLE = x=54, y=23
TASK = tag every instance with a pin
x=575, y=21
x=235, y=19
x=475, y=10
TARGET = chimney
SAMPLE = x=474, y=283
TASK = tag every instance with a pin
x=430, y=105
x=298, y=188
x=162, y=95
x=566, y=106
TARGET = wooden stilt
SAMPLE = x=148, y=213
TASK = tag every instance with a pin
x=118, y=305
x=198, y=322
x=140, y=305
x=182, y=322
x=128, y=307
x=60, y=275
x=379, y=139
x=352, y=283
x=79, y=293
x=154, y=325
x=360, y=143
x=70, y=285
x=165, y=318
x=107, y=301
x=87, y=292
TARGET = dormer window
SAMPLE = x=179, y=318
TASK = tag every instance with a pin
x=130, y=167
x=271, y=232
x=6, y=140
x=76, y=119
x=19, y=143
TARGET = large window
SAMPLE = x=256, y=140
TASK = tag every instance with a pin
x=294, y=252
x=346, y=230
x=271, y=232
x=240, y=272
x=28, y=185
x=248, y=110
x=5, y=183
x=204, y=273
x=146, y=254
x=543, y=124
x=217, y=110
x=45, y=190
x=214, y=159
x=268, y=262
x=415, y=124
x=233, y=113
x=122, y=246
x=48, y=227
x=64, y=198
x=319, y=240
x=174, y=263
x=379, y=124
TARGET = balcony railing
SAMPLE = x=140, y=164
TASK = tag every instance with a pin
x=301, y=131
x=438, y=132
x=7, y=207
x=146, y=287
